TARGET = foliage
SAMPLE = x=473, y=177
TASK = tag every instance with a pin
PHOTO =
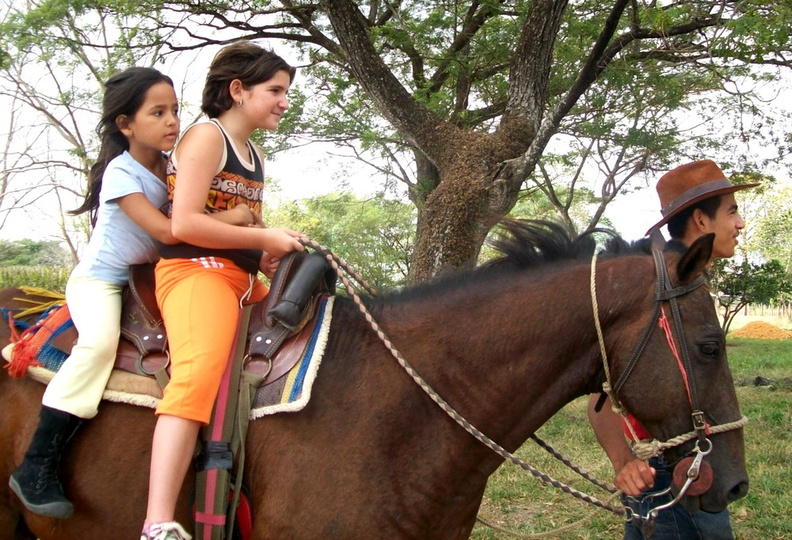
x=743, y=283
x=772, y=238
x=52, y=278
x=374, y=236
x=54, y=57
x=32, y=253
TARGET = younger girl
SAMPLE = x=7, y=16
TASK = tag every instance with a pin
x=202, y=281
x=126, y=197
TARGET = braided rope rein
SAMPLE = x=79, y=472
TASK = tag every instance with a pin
x=341, y=268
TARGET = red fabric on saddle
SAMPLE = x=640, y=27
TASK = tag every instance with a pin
x=31, y=342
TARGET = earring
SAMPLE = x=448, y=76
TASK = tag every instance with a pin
x=239, y=103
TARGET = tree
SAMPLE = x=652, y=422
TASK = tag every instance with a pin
x=53, y=62
x=463, y=99
x=744, y=283
x=772, y=238
x=32, y=253
x=375, y=236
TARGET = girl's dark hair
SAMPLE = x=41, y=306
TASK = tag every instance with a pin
x=678, y=223
x=124, y=94
x=242, y=60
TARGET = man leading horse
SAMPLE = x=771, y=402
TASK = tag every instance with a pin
x=696, y=199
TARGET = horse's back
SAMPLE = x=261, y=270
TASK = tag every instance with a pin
x=104, y=468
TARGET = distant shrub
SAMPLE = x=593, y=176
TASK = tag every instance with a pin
x=52, y=278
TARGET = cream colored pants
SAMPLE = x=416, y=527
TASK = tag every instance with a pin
x=95, y=308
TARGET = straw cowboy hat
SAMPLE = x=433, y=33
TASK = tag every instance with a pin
x=690, y=183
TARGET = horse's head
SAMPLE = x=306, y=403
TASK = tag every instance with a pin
x=680, y=383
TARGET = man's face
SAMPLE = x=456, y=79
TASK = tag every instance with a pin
x=726, y=225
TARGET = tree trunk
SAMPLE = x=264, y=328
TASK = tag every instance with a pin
x=474, y=192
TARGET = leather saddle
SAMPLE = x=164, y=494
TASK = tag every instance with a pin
x=281, y=323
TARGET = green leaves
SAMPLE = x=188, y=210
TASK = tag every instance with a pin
x=743, y=283
x=375, y=236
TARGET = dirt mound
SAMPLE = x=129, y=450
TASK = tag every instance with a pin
x=761, y=330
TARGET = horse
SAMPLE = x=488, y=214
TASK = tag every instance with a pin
x=506, y=344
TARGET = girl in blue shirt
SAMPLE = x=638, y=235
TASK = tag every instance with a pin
x=126, y=197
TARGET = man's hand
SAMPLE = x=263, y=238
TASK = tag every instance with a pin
x=634, y=477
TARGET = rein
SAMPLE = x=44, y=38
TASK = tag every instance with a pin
x=645, y=449
x=663, y=292
x=338, y=265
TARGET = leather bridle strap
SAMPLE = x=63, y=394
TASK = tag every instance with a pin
x=665, y=292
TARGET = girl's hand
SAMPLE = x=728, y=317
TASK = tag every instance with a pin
x=242, y=215
x=269, y=264
x=278, y=242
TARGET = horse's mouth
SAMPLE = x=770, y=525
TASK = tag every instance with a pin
x=710, y=504
x=693, y=504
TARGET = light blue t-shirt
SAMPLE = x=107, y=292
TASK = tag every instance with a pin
x=118, y=242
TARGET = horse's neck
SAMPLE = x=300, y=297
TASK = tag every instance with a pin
x=506, y=362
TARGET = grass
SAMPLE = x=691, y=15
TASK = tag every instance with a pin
x=519, y=503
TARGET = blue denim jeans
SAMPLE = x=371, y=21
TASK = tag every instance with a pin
x=675, y=523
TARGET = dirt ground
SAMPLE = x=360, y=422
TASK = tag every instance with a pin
x=761, y=330
x=761, y=327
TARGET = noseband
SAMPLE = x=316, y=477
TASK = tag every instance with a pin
x=697, y=468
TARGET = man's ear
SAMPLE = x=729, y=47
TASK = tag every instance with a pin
x=700, y=220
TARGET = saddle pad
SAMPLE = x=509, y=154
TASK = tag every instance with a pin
x=123, y=387
x=292, y=392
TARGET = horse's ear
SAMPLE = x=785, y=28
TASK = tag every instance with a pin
x=696, y=258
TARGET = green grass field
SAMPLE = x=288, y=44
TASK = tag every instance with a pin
x=517, y=502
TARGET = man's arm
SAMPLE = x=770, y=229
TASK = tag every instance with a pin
x=633, y=475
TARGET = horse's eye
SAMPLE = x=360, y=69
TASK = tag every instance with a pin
x=710, y=349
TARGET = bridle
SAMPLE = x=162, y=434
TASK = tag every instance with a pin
x=665, y=292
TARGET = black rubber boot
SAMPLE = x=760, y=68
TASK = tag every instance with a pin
x=36, y=481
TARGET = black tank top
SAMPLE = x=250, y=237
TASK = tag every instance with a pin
x=235, y=184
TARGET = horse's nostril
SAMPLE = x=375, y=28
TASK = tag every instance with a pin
x=738, y=491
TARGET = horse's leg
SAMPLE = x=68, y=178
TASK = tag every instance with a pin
x=104, y=469
x=12, y=527
x=18, y=415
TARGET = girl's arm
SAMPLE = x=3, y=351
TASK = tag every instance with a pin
x=156, y=224
x=199, y=154
x=147, y=216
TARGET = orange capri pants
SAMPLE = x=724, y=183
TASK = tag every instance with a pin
x=200, y=304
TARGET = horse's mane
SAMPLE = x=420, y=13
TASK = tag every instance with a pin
x=524, y=245
x=530, y=243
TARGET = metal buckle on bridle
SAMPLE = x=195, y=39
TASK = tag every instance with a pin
x=700, y=425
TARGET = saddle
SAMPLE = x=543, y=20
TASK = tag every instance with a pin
x=278, y=324
x=299, y=284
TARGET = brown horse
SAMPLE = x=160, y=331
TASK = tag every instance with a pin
x=371, y=456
